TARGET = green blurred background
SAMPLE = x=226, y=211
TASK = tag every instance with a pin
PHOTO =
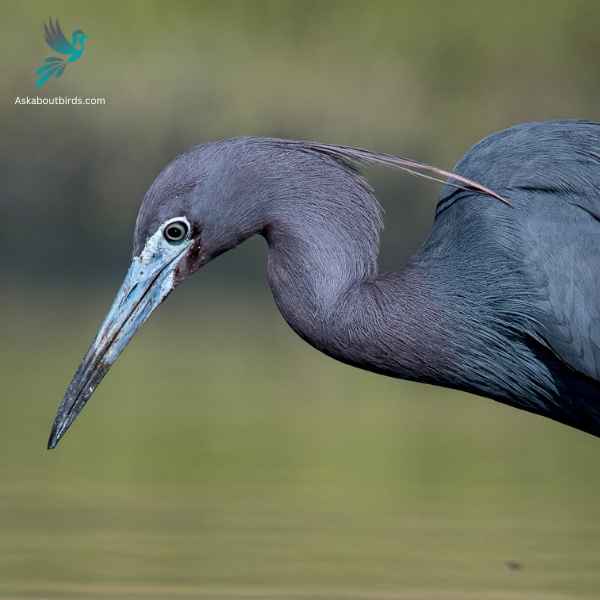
x=223, y=457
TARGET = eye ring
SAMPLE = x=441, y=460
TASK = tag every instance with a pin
x=176, y=231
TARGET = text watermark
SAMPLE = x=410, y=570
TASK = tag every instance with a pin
x=73, y=100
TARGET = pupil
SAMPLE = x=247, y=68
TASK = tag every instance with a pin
x=174, y=232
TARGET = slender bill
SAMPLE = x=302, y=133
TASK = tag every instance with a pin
x=148, y=282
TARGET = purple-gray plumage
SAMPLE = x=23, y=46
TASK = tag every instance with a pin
x=502, y=300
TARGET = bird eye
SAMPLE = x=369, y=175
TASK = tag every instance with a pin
x=176, y=232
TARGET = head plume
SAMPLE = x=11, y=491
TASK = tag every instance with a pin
x=353, y=155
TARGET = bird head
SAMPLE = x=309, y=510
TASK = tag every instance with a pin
x=191, y=213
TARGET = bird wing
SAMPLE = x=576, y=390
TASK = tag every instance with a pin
x=55, y=38
x=49, y=63
x=566, y=253
x=550, y=171
x=52, y=67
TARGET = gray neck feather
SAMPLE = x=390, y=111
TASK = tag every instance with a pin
x=322, y=224
x=322, y=227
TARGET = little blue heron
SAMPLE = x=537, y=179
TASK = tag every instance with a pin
x=502, y=300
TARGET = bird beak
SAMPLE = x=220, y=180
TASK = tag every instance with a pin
x=150, y=279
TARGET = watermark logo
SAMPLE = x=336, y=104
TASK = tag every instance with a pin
x=72, y=51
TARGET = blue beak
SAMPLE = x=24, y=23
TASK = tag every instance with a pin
x=150, y=279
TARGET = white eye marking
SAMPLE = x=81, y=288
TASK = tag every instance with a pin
x=160, y=248
x=176, y=231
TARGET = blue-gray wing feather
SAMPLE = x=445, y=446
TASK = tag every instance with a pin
x=567, y=254
x=551, y=172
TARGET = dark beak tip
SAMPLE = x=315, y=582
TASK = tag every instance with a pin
x=55, y=437
x=52, y=441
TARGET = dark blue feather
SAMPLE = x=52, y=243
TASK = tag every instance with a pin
x=55, y=38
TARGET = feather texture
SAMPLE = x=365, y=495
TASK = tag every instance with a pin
x=501, y=301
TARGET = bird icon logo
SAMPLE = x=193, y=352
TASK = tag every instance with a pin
x=55, y=66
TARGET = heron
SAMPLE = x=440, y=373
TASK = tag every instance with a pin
x=501, y=300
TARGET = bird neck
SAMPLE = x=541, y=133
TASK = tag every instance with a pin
x=334, y=298
x=322, y=224
x=308, y=278
x=319, y=250
x=325, y=282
